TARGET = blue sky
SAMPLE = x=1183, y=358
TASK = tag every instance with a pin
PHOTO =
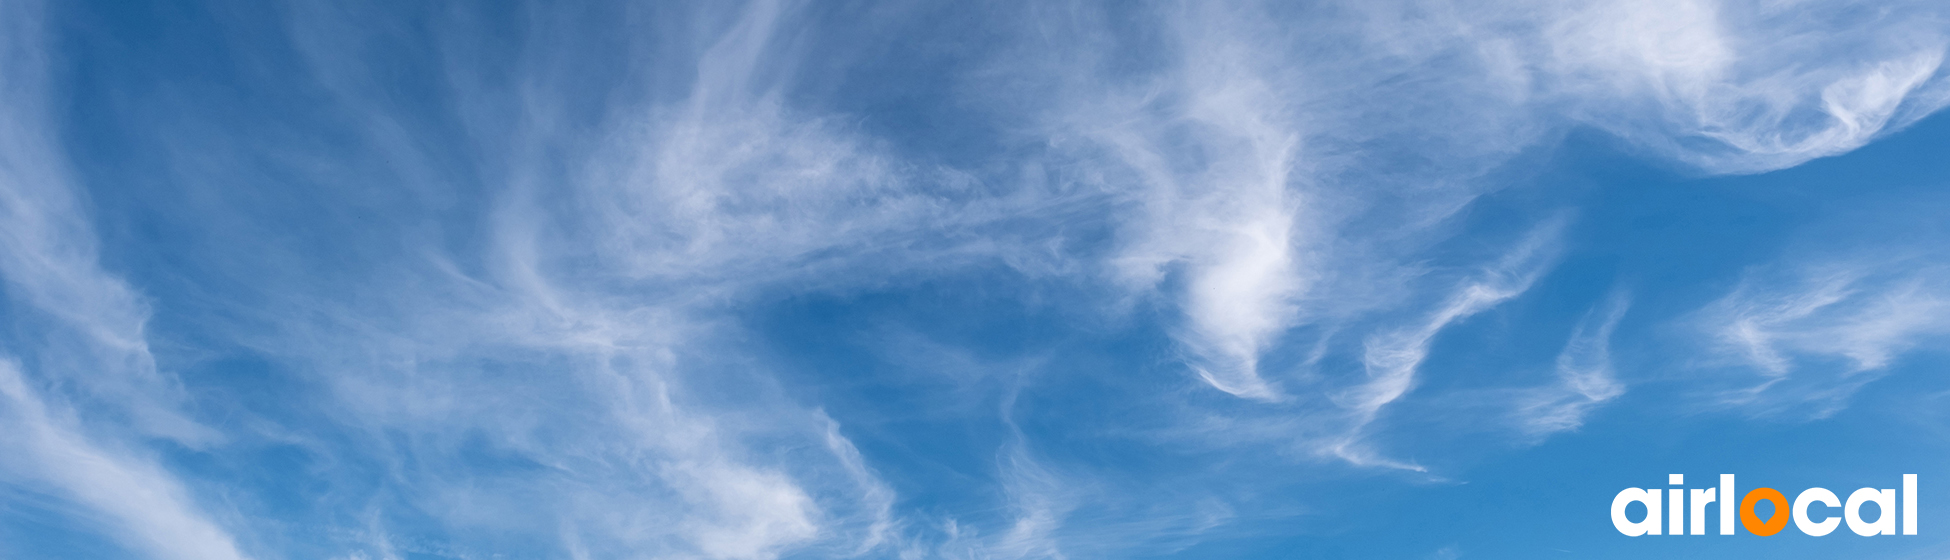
x=1004, y=280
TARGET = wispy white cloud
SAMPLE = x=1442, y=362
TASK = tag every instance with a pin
x=92, y=388
x=1271, y=186
x=1816, y=333
x=1254, y=183
x=1585, y=377
x=49, y=255
x=1055, y=510
x=605, y=277
x=151, y=511
x=1260, y=171
x=1729, y=87
x=876, y=496
x=1039, y=501
x=1392, y=358
x=1228, y=220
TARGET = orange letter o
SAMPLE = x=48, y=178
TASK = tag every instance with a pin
x=1774, y=523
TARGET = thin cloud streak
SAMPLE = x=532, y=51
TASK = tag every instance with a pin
x=1585, y=376
x=152, y=511
x=1392, y=359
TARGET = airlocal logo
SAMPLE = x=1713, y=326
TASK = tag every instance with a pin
x=1679, y=513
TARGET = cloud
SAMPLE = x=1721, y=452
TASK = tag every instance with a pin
x=1585, y=378
x=1257, y=185
x=1285, y=172
x=637, y=427
x=93, y=387
x=152, y=512
x=1728, y=87
x=1392, y=358
x=1055, y=509
x=877, y=497
x=1228, y=220
x=49, y=257
x=1240, y=185
x=1815, y=333
x=564, y=368
x=1270, y=184
x=1039, y=501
